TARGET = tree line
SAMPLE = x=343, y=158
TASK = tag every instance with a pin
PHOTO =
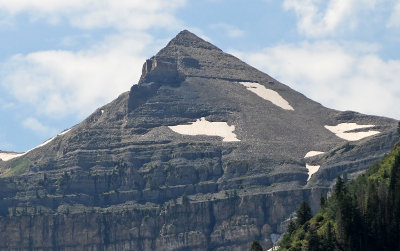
x=363, y=214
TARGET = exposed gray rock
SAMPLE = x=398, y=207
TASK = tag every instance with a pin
x=123, y=180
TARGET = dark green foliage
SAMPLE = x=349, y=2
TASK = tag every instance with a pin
x=328, y=242
x=339, y=186
x=394, y=204
x=322, y=201
x=303, y=214
x=313, y=242
x=363, y=214
x=291, y=227
x=255, y=246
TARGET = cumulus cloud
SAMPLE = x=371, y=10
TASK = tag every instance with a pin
x=336, y=75
x=314, y=19
x=88, y=14
x=58, y=83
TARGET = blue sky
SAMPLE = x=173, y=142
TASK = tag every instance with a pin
x=60, y=60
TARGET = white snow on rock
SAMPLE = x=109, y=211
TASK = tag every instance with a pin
x=64, y=132
x=268, y=94
x=9, y=156
x=342, y=131
x=311, y=170
x=204, y=127
x=312, y=154
x=48, y=141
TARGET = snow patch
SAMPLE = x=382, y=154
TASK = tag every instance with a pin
x=204, y=127
x=268, y=94
x=64, y=132
x=311, y=170
x=342, y=131
x=313, y=153
x=9, y=156
x=102, y=111
x=48, y=141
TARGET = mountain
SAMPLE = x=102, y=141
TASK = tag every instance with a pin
x=361, y=215
x=204, y=153
x=8, y=155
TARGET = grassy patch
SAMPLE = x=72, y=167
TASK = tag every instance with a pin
x=17, y=167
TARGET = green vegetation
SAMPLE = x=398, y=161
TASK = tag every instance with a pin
x=303, y=214
x=17, y=167
x=363, y=214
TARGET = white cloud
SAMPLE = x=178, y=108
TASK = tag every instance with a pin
x=229, y=30
x=121, y=14
x=64, y=84
x=38, y=127
x=61, y=83
x=316, y=20
x=339, y=76
x=394, y=20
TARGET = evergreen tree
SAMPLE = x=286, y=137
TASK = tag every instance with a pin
x=312, y=240
x=322, y=201
x=339, y=186
x=360, y=215
x=329, y=240
x=291, y=227
x=255, y=246
x=303, y=214
x=393, y=227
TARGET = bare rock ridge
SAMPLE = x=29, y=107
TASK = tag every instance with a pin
x=204, y=153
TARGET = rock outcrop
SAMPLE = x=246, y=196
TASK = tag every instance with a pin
x=124, y=180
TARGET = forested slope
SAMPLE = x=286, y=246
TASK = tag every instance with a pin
x=363, y=214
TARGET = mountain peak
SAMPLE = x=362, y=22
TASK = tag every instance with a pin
x=200, y=133
x=189, y=55
x=187, y=39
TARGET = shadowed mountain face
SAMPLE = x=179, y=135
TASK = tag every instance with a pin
x=204, y=153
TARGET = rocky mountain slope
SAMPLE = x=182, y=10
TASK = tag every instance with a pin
x=204, y=153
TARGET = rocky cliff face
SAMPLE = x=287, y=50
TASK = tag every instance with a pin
x=204, y=153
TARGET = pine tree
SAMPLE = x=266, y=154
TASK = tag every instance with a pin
x=255, y=246
x=322, y=201
x=329, y=239
x=291, y=227
x=313, y=240
x=339, y=186
x=303, y=214
x=361, y=215
x=394, y=204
